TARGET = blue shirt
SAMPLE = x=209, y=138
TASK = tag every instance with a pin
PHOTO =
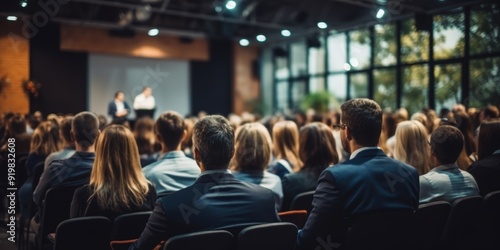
x=172, y=172
x=446, y=183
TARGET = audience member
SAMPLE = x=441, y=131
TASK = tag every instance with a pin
x=286, y=149
x=253, y=152
x=369, y=181
x=445, y=181
x=144, y=134
x=422, y=118
x=187, y=143
x=68, y=145
x=119, y=109
x=400, y=115
x=486, y=171
x=16, y=128
x=412, y=146
x=216, y=199
x=464, y=124
x=432, y=119
x=173, y=170
x=317, y=151
x=103, y=122
x=117, y=184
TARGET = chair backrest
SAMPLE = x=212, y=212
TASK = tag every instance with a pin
x=271, y=236
x=303, y=201
x=235, y=229
x=91, y=232
x=297, y=217
x=463, y=215
x=489, y=227
x=129, y=226
x=214, y=239
x=430, y=219
x=380, y=230
x=55, y=209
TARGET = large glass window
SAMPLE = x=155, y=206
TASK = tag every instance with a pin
x=317, y=58
x=484, y=82
x=484, y=34
x=298, y=57
x=414, y=44
x=337, y=50
x=316, y=84
x=359, y=85
x=337, y=86
x=281, y=68
x=359, y=49
x=448, y=36
x=385, y=88
x=282, y=96
x=298, y=93
x=447, y=85
x=385, y=44
x=415, y=87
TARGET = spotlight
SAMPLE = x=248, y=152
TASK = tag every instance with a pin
x=244, y=42
x=322, y=25
x=23, y=3
x=286, y=33
x=230, y=5
x=380, y=13
x=12, y=18
x=347, y=66
x=153, y=32
x=354, y=62
x=261, y=38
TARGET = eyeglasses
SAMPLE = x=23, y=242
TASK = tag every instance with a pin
x=338, y=127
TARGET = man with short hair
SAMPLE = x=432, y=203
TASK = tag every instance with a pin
x=368, y=181
x=173, y=171
x=75, y=170
x=446, y=182
x=119, y=109
x=144, y=103
x=68, y=145
x=216, y=199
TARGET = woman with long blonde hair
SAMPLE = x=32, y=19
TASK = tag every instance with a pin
x=117, y=184
x=286, y=149
x=412, y=146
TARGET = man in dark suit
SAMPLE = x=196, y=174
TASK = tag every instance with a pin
x=119, y=109
x=216, y=199
x=369, y=181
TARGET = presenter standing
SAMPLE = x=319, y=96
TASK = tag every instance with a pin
x=118, y=109
x=144, y=103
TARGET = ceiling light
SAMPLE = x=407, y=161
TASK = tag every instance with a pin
x=230, y=5
x=322, y=25
x=12, y=18
x=244, y=42
x=347, y=66
x=286, y=33
x=380, y=13
x=354, y=62
x=153, y=32
x=23, y=3
x=261, y=38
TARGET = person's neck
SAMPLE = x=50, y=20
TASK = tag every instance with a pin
x=165, y=150
x=116, y=100
x=355, y=146
x=90, y=149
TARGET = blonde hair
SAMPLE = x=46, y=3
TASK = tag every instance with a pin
x=253, y=149
x=411, y=145
x=117, y=179
x=45, y=139
x=286, y=143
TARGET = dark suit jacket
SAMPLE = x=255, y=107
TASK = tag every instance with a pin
x=112, y=111
x=214, y=200
x=300, y=182
x=486, y=172
x=370, y=182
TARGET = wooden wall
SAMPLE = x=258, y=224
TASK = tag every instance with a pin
x=246, y=87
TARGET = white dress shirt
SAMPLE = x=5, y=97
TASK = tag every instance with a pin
x=143, y=102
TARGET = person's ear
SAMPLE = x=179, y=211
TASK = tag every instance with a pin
x=72, y=135
x=184, y=134
x=158, y=138
x=197, y=158
x=348, y=134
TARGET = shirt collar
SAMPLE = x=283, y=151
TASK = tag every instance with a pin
x=359, y=150
x=218, y=171
x=173, y=154
x=445, y=167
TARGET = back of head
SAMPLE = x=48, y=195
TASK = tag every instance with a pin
x=411, y=145
x=85, y=129
x=317, y=146
x=144, y=127
x=464, y=124
x=490, y=112
x=360, y=114
x=488, y=139
x=422, y=118
x=213, y=139
x=16, y=125
x=170, y=127
x=45, y=139
x=66, y=128
x=253, y=150
x=446, y=144
x=286, y=142
x=117, y=176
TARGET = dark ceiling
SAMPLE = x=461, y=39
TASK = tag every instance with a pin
x=211, y=17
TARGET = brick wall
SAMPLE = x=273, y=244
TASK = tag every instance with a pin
x=246, y=88
x=14, y=64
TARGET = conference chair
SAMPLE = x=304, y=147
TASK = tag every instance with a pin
x=430, y=219
x=269, y=236
x=489, y=227
x=214, y=239
x=464, y=215
x=303, y=201
x=297, y=217
x=127, y=228
x=83, y=233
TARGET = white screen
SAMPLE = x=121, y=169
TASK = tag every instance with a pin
x=169, y=80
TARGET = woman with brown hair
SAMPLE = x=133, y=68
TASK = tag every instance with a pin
x=286, y=149
x=317, y=151
x=412, y=146
x=117, y=184
x=252, y=154
x=145, y=138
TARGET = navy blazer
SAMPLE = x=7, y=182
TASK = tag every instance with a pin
x=368, y=183
x=215, y=200
x=112, y=110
